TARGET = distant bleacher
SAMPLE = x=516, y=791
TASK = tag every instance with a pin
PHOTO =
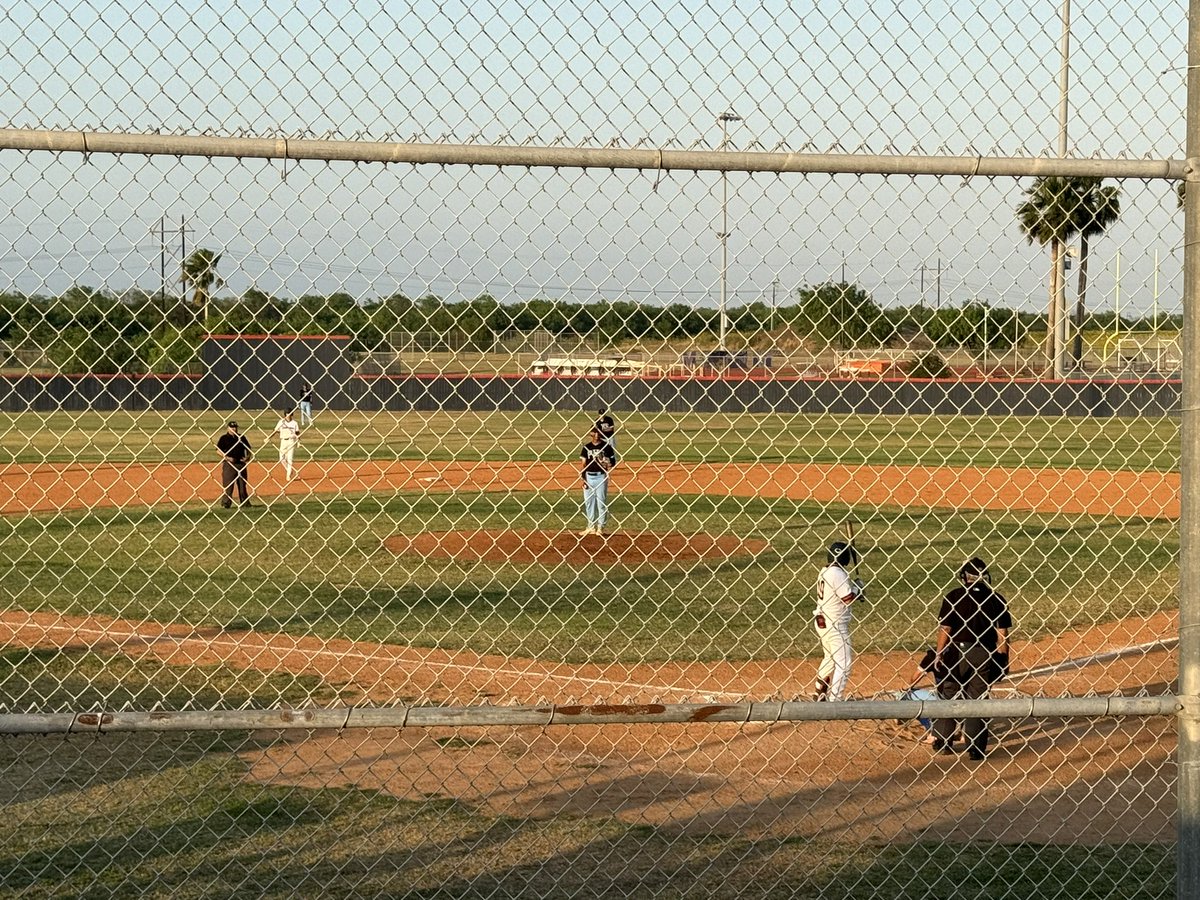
x=595, y=365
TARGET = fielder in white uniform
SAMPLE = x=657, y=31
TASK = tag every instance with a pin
x=288, y=430
x=836, y=591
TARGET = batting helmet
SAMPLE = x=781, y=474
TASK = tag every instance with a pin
x=974, y=569
x=841, y=553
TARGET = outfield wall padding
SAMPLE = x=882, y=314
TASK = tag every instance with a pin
x=102, y=393
x=270, y=377
x=267, y=371
x=763, y=396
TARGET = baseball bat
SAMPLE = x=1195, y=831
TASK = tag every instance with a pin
x=850, y=540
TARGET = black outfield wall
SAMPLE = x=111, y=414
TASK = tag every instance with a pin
x=103, y=393
x=700, y=396
x=267, y=371
x=242, y=385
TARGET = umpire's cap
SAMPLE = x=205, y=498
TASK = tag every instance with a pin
x=974, y=569
x=841, y=553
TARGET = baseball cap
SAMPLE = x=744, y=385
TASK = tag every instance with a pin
x=233, y=424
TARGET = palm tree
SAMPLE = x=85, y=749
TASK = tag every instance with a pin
x=1057, y=208
x=200, y=274
x=1045, y=217
x=1098, y=207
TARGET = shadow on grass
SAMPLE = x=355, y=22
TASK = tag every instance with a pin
x=192, y=827
x=189, y=847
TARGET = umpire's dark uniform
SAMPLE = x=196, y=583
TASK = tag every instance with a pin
x=972, y=652
x=235, y=459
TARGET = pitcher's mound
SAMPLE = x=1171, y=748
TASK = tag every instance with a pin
x=553, y=547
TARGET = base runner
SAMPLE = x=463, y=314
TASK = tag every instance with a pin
x=288, y=430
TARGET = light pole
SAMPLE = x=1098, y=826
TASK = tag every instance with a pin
x=724, y=118
x=774, y=286
x=1058, y=320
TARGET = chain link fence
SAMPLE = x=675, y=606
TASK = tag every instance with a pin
x=441, y=446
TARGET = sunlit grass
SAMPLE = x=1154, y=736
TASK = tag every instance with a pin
x=1139, y=444
x=319, y=567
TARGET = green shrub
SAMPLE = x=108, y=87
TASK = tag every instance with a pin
x=929, y=365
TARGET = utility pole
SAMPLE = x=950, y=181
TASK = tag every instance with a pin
x=162, y=264
x=1154, y=318
x=938, y=282
x=183, y=233
x=724, y=118
x=163, y=312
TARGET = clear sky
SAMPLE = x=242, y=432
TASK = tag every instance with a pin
x=925, y=77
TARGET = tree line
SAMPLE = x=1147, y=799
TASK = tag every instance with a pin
x=91, y=330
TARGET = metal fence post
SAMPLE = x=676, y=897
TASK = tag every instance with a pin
x=1188, y=863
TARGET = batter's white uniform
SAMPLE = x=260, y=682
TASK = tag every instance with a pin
x=289, y=436
x=835, y=593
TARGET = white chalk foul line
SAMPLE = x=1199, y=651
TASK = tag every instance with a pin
x=614, y=684
x=1094, y=658
x=231, y=643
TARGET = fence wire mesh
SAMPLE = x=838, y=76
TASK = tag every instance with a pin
x=310, y=436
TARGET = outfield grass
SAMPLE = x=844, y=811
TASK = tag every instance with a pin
x=318, y=567
x=1141, y=444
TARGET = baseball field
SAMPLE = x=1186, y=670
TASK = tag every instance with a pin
x=434, y=559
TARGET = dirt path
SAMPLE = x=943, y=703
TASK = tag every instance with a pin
x=45, y=488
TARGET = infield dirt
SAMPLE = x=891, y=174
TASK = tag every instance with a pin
x=45, y=488
x=1097, y=781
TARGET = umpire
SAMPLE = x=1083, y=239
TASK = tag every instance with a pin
x=971, y=654
x=234, y=448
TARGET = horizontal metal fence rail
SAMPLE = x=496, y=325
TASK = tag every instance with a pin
x=596, y=714
x=584, y=157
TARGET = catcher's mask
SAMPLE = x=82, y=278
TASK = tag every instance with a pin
x=973, y=570
x=841, y=553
